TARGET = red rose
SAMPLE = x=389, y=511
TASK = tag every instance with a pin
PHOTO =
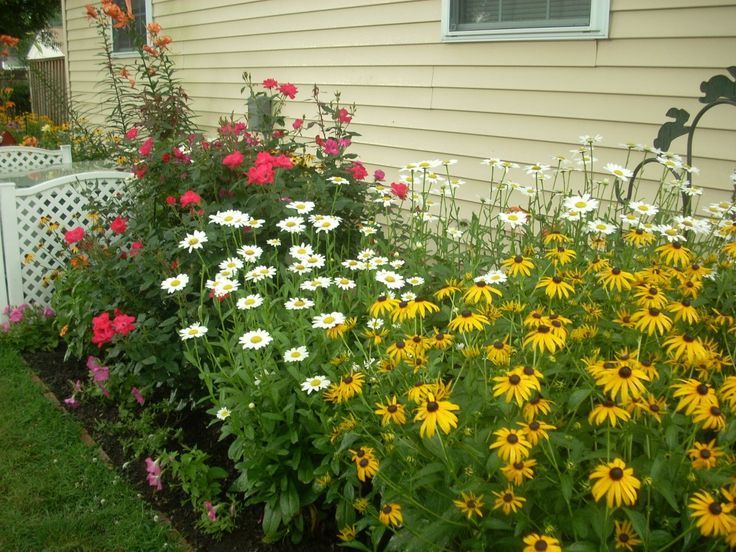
x=75, y=235
x=288, y=90
x=233, y=160
x=270, y=83
x=400, y=189
x=119, y=225
x=146, y=148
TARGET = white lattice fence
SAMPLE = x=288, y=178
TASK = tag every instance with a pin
x=32, y=223
x=18, y=159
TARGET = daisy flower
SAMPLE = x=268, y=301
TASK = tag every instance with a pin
x=514, y=219
x=316, y=283
x=249, y=302
x=298, y=303
x=622, y=173
x=580, y=204
x=643, y=209
x=326, y=223
x=254, y=223
x=344, y=283
x=301, y=207
x=327, y=321
x=193, y=241
x=390, y=279
x=315, y=383
x=260, y=273
x=232, y=263
x=600, y=227
x=339, y=180
x=175, y=284
x=301, y=250
x=292, y=225
x=223, y=413
x=232, y=218
x=275, y=242
x=190, y=332
x=250, y=253
x=224, y=286
x=256, y=339
x=296, y=354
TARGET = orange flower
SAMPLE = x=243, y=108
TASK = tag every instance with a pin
x=9, y=40
x=91, y=11
x=154, y=28
x=163, y=42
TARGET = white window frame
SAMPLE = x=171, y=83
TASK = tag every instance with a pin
x=598, y=28
x=133, y=53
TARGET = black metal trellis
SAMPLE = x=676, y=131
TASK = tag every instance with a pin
x=718, y=90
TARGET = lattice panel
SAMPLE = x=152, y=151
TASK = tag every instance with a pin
x=18, y=159
x=43, y=250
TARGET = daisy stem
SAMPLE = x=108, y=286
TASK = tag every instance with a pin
x=677, y=538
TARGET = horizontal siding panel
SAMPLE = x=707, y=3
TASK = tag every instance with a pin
x=683, y=23
x=629, y=5
x=644, y=81
x=259, y=8
x=570, y=54
x=240, y=21
x=376, y=35
x=667, y=52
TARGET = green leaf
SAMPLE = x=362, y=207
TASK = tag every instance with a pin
x=288, y=501
x=581, y=546
x=577, y=397
x=566, y=487
x=638, y=522
x=271, y=520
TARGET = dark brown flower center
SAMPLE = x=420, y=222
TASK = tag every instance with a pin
x=557, y=280
x=609, y=365
x=518, y=465
x=381, y=298
x=480, y=284
x=616, y=474
x=536, y=315
x=392, y=408
x=466, y=313
x=624, y=372
x=360, y=453
x=702, y=389
x=400, y=344
x=608, y=403
x=348, y=380
x=514, y=379
x=387, y=509
x=498, y=345
x=403, y=304
x=439, y=336
x=540, y=545
x=363, y=462
x=417, y=339
x=715, y=411
x=518, y=259
x=652, y=291
x=528, y=371
x=687, y=338
x=705, y=454
x=543, y=329
x=615, y=271
x=653, y=311
x=508, y=497
x=534, y=426
x=512, y=438
x=623, y=537
x=676, y=245
x=654, y=408
x=556, y=323
x=715, y=508
x=432, y=406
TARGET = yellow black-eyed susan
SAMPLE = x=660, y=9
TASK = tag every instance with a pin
x=639, y=237
x=626, y=537
x=536, y=406
x=709, y=417
x=366, y=462
x=391, y=412
x=512, y=444
x=615, y=482
x=499, y=352
x=555, y=286
x=616, y=279
x=507, y=501
x=514, y=386
x=518, y=266
x=536, y=430
x=541, y=543
x=421, y=307
x=704, y=455
x=686, y=347
x=433, y=412
x=467, y=321
x=675, y=254
x=560, y=255
x=651, y=321
x=608, y=411
x=517, y=472
x=470, y=504
x=450, y=288
x=390, y=514
x=543, y=339
x=693, y=394
x=624, y=382
x=480, y=291
x=383, y=304
x=712, y=517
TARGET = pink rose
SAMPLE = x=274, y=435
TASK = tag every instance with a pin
x=189, y=197
x=379, y=175
x=132, y=134
x=137, y=395
x=119, y=225
x=75, y=235
x=297, y=124
x=343, y=116
x=260, y=174
x=146, y=148
x=288, y=90
x=233, y=160
x=358, y=170
x=330, y=147
x=270, y=83
x=400, y=190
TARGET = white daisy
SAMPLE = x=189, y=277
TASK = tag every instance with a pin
x=365, y=254
x=232, y=263
x=353, y=264
x=572, y=216
x=260, y=273
x=298, y=303
x=315, y=383
x=622, y=173
x=630, y=218
x=250, y=253
x=492, y=277
x=299, y=268
x=223, y=413
x=256, y=339
x=314, y=261
x=587, y=139
x=328, y=320
x=225, y=273
x=368, y=229
x=643, y=209
x=193, y=241
x=301, y=207
x=339, y=180
x=225, y=286
x=275, y=242
x=515, y=219
x=397, y=263
x=326, y=223
x=671, y=233
x=176, y=283
x=344, y=283
x=249, y=302
x=408, y=296
x=292, y=225
x=600, y=227
x=254, y=223
x=375, y=323
x=190, y=332
x=231, y=218
x=415, y=281
x=301, y=250
x=537, y=169
x=391, y=280
x=316, y=283
x=699, y=226
x=454, y=233
x=377, y=261
x=297, y=354
x=581, y=203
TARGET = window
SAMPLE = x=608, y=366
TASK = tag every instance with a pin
x=475, y=20
x=122, y=39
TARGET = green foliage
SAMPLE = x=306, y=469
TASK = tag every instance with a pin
x=29, y=328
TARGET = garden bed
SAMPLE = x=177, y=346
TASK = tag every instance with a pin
x=56, y=374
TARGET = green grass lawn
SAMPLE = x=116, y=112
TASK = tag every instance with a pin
x=55, y=494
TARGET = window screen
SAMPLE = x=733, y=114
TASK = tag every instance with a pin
x=471, y=15
x=122, y=39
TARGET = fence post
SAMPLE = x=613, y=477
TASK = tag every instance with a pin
x=66, y=154
x=12, y=289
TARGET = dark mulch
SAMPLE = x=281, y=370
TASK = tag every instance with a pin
x=57, y=375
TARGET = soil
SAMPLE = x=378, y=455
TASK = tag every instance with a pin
x=246, y=537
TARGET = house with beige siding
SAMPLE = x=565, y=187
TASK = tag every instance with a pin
x=464, y=79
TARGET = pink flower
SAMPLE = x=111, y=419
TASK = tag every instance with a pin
x=345, y=142
x=135, y=248
x=72, y=402
x=211, y=510
x=233, y=160
x=119, y=225
x=16, y=315
x=171, y=200
x=270, y=83
x=75, y=235
x=123, y=324
x=282, y=162
x=99, y=373
x=137, y=395
x=5, y=327
x=358, y=170
x=400, y=190
x=132, y=134
x=343, y=116
x=189, y=197
x=260, y=174
x=288, y=90
x=379, y=175
x=146, y=148
x=297, y=124
x=102, y=331
x=154, y=474
x=77, y=387
x=48, y=312
x=330, y=147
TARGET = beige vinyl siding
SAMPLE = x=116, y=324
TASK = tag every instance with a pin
x=419, y=98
